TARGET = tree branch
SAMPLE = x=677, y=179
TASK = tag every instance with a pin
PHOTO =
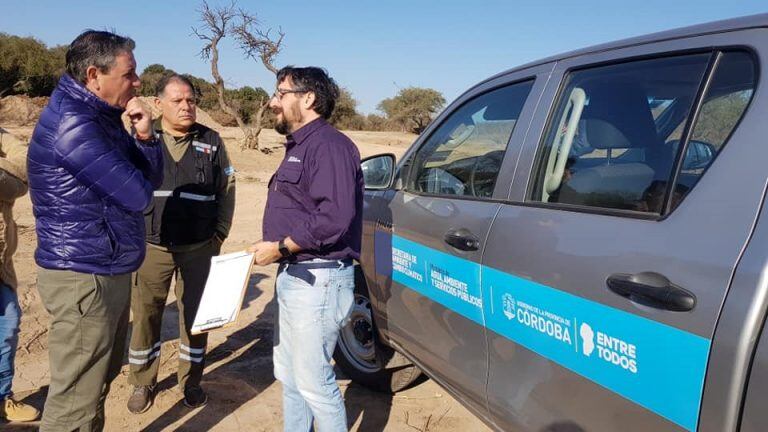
x=256, y=43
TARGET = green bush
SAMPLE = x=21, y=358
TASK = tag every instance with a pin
x=28, y=66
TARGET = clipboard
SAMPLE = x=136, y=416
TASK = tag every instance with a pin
x=224, y=292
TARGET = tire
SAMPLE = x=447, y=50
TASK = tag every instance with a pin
x=363, y=357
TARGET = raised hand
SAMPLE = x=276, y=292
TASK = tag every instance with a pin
x=140, y=117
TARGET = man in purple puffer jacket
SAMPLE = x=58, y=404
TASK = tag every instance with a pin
x=90, y=181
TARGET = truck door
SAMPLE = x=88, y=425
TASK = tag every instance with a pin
x=604, y=276
x=439, y=225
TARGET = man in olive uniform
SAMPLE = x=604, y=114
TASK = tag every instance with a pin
x=186, y=223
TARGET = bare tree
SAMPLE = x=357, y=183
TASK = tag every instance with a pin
x=260, y=46
x=220, y=22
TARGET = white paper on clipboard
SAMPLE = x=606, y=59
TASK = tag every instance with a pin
x=224, y=291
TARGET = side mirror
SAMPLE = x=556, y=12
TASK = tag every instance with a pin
x=698, y=155
x=378, y=171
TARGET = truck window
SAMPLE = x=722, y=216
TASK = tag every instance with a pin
x=463, y=156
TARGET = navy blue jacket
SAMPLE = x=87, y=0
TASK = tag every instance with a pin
x=89, y=181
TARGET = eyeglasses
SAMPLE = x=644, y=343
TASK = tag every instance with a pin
x=279, y=93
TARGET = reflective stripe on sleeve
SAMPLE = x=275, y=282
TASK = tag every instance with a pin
x=196, y=197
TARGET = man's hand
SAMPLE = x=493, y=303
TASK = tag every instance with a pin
x=266, y=252
x=141, y=119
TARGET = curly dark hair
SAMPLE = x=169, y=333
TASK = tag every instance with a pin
x=315, y=80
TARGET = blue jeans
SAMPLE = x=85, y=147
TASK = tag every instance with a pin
x=310, y=317
x=10, y=318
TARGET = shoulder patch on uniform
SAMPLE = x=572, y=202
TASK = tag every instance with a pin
x=229, y=170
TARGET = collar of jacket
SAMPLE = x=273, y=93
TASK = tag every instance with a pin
x=77, y=91
x=305, y=131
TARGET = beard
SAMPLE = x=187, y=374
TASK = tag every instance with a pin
x=286, y=127
x=282, y=127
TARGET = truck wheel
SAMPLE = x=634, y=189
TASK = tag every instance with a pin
x=365, y=359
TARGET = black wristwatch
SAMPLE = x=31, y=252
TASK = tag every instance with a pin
x=284, y=251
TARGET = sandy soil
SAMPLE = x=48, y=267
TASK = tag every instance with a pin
x=244, y=395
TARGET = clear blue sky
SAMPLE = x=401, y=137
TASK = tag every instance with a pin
x=374, y=48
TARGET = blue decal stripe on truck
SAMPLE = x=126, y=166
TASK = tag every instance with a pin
x=657, y=366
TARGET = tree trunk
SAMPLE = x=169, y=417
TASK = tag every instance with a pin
x=250, y=137
x=258, y=120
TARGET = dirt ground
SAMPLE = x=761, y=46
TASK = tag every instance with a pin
x=243, y=394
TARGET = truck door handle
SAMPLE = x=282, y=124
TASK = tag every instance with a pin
x=462, y=239
x=652, y=289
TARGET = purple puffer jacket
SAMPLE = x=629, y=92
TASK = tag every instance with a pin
x=89, y=181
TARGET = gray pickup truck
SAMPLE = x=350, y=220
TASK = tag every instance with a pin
x=578, y=243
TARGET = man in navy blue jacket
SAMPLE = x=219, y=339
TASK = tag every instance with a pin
x=90, y=182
